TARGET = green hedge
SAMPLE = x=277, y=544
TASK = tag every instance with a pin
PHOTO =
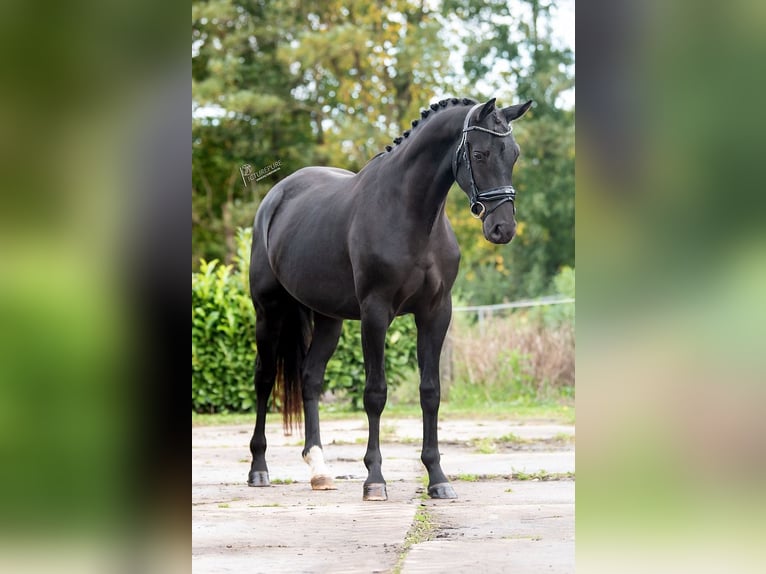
x=223, y=342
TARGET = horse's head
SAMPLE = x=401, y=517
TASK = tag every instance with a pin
x=483, y=167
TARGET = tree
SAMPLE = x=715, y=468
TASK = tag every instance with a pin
x=307, y=83
x=512, y=55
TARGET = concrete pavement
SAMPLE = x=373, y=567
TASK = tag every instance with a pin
x=498, y=524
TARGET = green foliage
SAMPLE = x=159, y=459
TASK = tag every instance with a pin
x=556, y=316
x=223, y=342
x=223, y=345
x=345, y=371
x=511, y=379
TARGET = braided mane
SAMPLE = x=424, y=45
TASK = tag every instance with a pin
x=427, y=112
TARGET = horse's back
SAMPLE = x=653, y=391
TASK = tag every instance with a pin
x=301, y=234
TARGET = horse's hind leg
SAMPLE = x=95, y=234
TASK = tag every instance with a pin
x=267, y=327
x=323, y=343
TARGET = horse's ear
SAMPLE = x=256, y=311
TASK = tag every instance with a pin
x=486, y=109
x=515, y=112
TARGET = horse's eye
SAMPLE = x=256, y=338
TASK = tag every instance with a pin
x=477, y=155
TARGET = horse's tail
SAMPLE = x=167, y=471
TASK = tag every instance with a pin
x=294, y=339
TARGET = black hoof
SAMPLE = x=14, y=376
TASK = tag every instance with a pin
x=442, y=490
x=258, y=478
x=375, y=491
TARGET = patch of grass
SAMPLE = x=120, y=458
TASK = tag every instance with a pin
x=282, y=481
x=508, y=490
x=408, y=440
x=225, y=505
x=475, y=477
x=272, y=505
x=512, y=411
x=564, y=437
x=421, y=530
x=542, y=475
x=484, y=445
x=511, y=438
x=467, y=477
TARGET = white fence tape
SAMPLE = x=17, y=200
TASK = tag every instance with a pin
x=551, y=300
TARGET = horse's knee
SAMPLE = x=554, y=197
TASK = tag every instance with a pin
x=375, y=399
x=430, y=397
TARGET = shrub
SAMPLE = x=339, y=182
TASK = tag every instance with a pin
x=223, y=342
x=513, y=358
x=345, y=371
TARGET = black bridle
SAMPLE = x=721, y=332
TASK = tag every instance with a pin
x=478, y=198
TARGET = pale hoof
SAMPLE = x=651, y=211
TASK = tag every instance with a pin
x=322, y=482
x=375, y=491
x=442, y=490
x=258, y=478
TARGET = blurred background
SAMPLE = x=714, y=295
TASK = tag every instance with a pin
x=671, y=254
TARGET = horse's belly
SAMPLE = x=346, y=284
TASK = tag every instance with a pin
x=323, y=285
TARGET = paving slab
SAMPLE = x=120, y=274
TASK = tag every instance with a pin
x=500, y=527
x=496, y=525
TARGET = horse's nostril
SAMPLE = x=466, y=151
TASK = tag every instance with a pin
x=501, y=233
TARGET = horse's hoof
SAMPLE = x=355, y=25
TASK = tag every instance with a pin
x=442, y=490
x=322, y=482
x=258, y=478
x=375, y=491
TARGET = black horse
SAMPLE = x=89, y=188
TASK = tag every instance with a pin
x=329, y=245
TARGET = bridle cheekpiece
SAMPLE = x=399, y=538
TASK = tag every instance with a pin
x=479, y=198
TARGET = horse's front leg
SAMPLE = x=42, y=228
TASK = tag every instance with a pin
x=432, y=328
x=376, y=319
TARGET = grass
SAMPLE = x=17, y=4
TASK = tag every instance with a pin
x=542, y=475
x=466, y=477
x=421, y=530
x=511, y=438
x=484, y=445
x=514, y=411
x=282, y=481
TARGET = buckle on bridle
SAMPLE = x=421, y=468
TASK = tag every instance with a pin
x=478, y=214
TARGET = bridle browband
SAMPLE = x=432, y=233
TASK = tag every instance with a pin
x=478, y=198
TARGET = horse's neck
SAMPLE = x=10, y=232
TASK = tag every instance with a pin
x=421, y=170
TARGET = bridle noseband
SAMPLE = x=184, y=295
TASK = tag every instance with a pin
x=477, y=198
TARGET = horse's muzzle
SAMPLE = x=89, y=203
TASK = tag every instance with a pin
x=501, y=232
